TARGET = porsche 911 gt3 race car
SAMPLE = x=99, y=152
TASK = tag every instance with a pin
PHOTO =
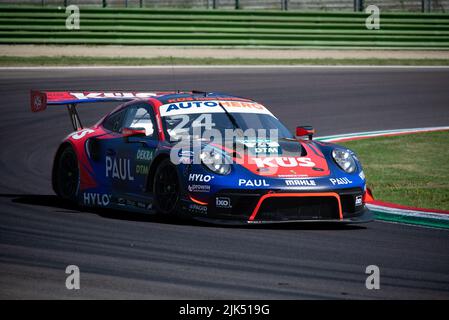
x=210, y=156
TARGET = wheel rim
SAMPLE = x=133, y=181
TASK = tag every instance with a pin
x=167, y=189
x=68, y=174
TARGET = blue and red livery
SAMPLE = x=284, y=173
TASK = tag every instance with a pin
x=126, y=161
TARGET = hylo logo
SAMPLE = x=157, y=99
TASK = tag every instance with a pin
x=197, y=177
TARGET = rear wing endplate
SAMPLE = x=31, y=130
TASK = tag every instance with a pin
x=41, y=99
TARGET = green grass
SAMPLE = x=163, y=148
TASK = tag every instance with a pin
x=77, y=61
x=410, y=170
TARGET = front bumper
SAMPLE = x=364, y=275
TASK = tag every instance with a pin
x=281, y=206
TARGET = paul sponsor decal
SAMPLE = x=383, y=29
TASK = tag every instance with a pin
x=340, y=181
x=300, y=183
x=253, y=183
x=96, y=199
x=198, y=177
x=118, y=168
x=198, y=188
x=284, y=162
x=223, y=202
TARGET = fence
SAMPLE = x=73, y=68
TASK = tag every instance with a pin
x=128, y=26
x=324, y=5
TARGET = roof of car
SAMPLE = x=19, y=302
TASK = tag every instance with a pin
x=197, y=96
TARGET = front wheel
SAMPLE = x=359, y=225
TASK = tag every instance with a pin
x=66, y=180
x=166, y=188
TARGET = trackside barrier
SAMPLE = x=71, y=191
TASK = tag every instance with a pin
x=134, y=26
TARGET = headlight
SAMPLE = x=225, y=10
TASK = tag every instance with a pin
x=344, y=160
x=215, y=161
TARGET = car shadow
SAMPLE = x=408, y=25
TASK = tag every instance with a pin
x=54, y=201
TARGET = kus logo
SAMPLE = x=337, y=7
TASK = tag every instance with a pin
x=105, y=95
x=284, y=162
x=118, y=168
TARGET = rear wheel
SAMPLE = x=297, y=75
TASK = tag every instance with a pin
x=166, y=188
x=67, y=174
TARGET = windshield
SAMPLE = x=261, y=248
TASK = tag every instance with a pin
x=196, y=125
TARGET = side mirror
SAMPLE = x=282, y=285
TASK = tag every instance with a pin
x=133, y=132
x=305, y=131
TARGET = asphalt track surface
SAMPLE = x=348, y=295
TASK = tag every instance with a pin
x=123, y=255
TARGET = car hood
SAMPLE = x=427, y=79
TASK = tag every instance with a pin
x=286, y=158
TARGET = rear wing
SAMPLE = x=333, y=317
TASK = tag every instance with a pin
x=41, y=99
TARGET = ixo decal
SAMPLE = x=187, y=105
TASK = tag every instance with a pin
x=253, y=183
x=118, y=168
x=285, y=162
x=340, y=181
x=223, y=202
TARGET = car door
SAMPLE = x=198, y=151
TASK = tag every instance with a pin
x=101, y=151
x=135, y=153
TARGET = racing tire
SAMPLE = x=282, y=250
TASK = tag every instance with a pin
x=166, y=188
x=66, y=179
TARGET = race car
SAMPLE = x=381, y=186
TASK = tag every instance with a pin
x=210, y=156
